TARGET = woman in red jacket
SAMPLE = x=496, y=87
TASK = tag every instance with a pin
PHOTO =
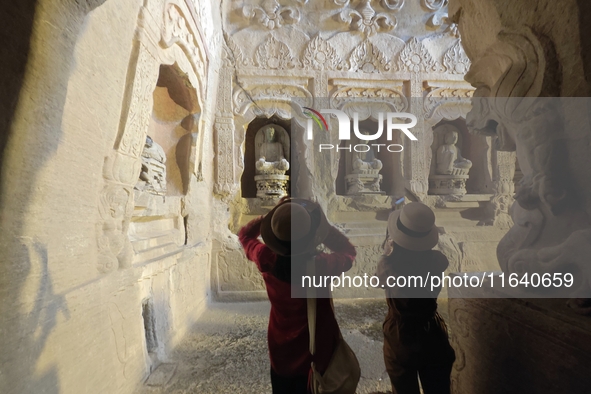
x=292, y=232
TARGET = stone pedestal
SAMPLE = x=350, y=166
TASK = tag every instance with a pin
x=368, y=183
x=271, y=186
x=516, y=346
x=448, y=184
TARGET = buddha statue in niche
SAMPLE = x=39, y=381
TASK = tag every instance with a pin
x=449, y=170
x=271, y=158
x=365, y=162
x=449, y=157
x=152, y=177
x=271, y=162
x=363, y=168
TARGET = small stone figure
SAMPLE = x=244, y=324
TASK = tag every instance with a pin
x=365, y=162
x=449, y=158
x=363, y=169
x=272, y=161
x=153, y=173
x=271, y=156
x=450, y=170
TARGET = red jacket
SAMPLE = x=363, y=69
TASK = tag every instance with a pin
x=288, y=336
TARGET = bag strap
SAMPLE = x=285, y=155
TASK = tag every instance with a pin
x=311, y=305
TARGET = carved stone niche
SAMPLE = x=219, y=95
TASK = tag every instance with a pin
x=449, y=169
x=271, y=150
x=153, y=173
x=363, y=167
x=169, y=159
x=267, y=155
x=173, y=128
x=369, y=167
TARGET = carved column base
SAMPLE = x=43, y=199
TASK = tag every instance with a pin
x=448, y=184
x=363, y=184
x=271, y=186
x=515, y=346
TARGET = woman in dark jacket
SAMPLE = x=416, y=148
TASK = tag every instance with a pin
x=415, y=336
x=292, y=232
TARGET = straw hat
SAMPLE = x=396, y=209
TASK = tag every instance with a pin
x=413, y=227
x=295, y=226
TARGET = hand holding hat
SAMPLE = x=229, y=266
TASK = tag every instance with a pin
x=295, y=226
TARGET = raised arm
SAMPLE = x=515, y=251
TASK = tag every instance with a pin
x=255, y=250
x=343, y=252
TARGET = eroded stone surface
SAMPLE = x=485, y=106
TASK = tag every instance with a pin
x=226, y=351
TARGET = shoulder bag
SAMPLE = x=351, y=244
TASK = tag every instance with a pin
x=343, y=372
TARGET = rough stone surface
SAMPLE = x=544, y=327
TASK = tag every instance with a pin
x=226, y=351
x=85, y=257
x=544, y=346
x=100, y=281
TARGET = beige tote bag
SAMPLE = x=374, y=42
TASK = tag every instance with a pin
x=343, y=372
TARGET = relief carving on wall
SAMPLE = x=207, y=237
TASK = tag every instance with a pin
x=268, y=99
x=271, y=14
x=552, y=230
x=153, y=174
x=415, y=58
x=366, y=57
x=370, y=26
x=178, y=30
x=321, y=55
x=114, y=248
x=366, y=20
x=354, y=100
x=445, y=101
x=274, y=55
x=123, y=164
x=455, y=59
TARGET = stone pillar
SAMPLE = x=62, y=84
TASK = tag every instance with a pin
x=122, y=167
x=416, y=170
x=522, y=57
x=225, y=181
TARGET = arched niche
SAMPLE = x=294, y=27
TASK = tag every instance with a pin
x=173, y=125
x=392, y=182
x=476, y=148
x=247, y=181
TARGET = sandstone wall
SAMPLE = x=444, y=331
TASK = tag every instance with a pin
x=70, y=321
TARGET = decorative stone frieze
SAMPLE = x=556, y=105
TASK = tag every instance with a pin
x=415, y=58
x=271, y=14
x=321, y=55
x=366, y=20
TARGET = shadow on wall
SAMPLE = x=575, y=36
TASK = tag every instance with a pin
x=30, y=133
x=38, y=324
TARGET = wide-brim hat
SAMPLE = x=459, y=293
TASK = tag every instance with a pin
x=295, y=226
x=413, y=227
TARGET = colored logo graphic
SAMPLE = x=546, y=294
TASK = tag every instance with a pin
x=317, y=117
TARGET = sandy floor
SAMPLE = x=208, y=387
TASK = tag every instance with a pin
x=226, y=352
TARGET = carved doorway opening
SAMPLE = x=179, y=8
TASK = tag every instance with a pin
x=174, y=126
x=158, y=226
x=247, y=181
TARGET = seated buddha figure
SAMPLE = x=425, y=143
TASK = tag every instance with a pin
x=271, y=158
x=449, y=157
